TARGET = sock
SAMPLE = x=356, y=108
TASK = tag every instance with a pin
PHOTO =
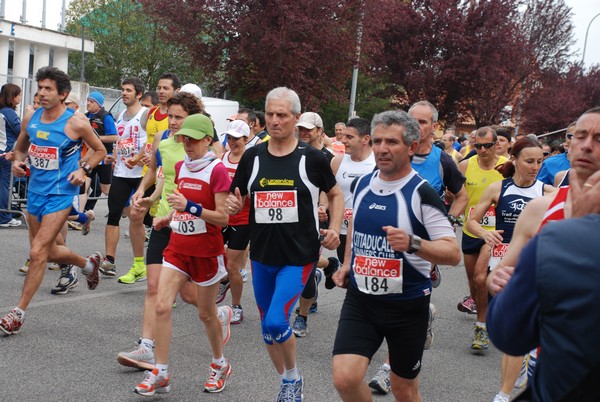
x=20, y=313
x=386, y=366
x=139, y=261
x=82, y=217
x=221, y=361
x=147, y=343
x=504, y=395
x=88, y=268
x=304, y=317
x=163, y=369
x=481, y=325
x=110, y=259
x=291, y=375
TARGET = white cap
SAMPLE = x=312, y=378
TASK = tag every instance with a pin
x=192, y=89
x=310, y=120
x=238, y=129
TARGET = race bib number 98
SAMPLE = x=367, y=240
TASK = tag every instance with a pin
x=276, y=206
x=187, y=224
x=378, y=276
x=44, y=158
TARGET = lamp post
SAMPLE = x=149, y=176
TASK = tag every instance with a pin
x=587, y=31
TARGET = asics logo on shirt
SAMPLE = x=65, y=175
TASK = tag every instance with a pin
x=377, y=206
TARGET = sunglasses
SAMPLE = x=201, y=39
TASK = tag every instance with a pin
x=487, y=145
x=546, y=153
x=570, y=136
x=189, y=140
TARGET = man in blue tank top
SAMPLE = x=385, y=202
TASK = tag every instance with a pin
x=398, y=229
x=51, y=139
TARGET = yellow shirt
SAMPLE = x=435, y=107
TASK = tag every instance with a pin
x=156, y=123
x=477, y=180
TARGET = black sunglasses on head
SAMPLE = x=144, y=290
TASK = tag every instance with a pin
x=487, y=145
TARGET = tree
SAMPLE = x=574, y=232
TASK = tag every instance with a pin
x=470, y=58
x=249, y=47
x=559, y=98
x=127, y=43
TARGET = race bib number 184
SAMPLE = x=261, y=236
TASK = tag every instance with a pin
x=378, y=276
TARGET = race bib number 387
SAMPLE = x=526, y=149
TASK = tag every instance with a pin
x=378, y=276
x=276, y=206
x=45, y=158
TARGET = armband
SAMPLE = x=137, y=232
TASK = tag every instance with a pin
x=193, y=208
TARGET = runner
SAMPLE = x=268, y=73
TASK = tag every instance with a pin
x=399, y=228
x=51, y=138
x=283, y=179
x=197, y=212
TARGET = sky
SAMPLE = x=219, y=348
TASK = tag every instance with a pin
x=583, y=12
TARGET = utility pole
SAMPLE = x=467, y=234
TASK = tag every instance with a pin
x=359, y=33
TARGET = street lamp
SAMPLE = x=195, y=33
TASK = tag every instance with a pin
x=586, y=36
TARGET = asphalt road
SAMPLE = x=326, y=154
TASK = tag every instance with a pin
x=66, y=350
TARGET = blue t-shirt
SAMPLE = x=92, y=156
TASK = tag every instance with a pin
x=552, y=166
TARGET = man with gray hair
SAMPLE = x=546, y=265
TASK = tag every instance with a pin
x=398, y=229
x=283, y=178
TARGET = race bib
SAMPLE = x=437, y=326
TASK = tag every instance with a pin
x=276, y=206
x=159, y=173
x=44, y=158
x=187, y=224
x=378, y=276
x=497, y=254
x=489, y=219
x=148, y=150
x=125, y=147
x=347, y=217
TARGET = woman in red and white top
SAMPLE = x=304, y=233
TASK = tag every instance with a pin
x=237, y=234
x=195, y=253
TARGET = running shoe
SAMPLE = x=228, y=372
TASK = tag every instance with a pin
x=467, y=305
x=300, y=327
x=54, y=266
x=85, y=228
x=238, y=314
x=223, y=288
x=225, y=313
x=329, y=270
x=25, y=267
x=381, y=381
x=481, y=341
x=291, y=391
x=217, y=377
x=13, y=223
x=429, y=339
x=501, y=398
x=93, y=278
x=108, y=268
x=11, y=323
x=244, y=273
x=435, y=275
x=74, y=225
x=141, y=358
x=153, y=384
x=137, y=273
x=66, y=281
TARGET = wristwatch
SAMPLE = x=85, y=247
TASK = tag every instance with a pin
x=86, y=168
x=414, y=242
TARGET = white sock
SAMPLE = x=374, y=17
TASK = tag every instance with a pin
x=163, y=369
x=481, y=325
x=504, y=395
x=88, y=268
x=221, y=361
x=292, y=374
x=147, y=343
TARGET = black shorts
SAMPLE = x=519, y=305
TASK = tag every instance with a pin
x=159, y=239
x=366, y=321
x=236, y=237
x=471, y=245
